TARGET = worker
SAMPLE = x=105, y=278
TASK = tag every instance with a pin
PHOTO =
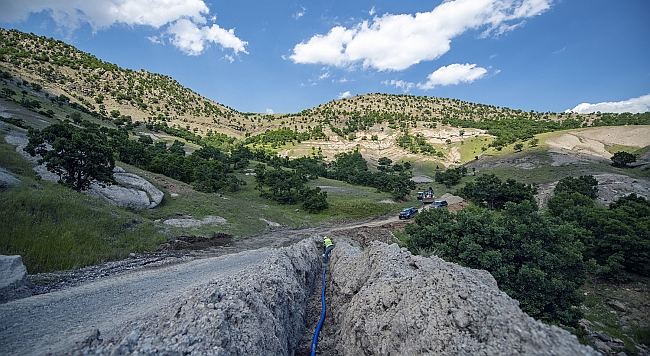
x=327, y=243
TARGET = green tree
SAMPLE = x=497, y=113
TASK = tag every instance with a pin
x=586, y=185
x=79, y=156
x=385, y=161
x=622, y=159
x=488, y=190
x=76, y=117
x=451, y=177
x=533, y=260
x=519, y=146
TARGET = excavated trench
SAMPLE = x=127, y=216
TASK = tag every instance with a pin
x=381, y=300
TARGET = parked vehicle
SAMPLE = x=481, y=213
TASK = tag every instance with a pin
x=408, y=213
x=428, y=196
x=439, y=204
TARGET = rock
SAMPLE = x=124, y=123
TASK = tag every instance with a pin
x=7, y=179
x=615, y=304
x=13, y=279
x=603, y=336
x=602, y=346
x=91, y=340
x=132, y=191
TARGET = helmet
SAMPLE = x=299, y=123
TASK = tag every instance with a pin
x=324, y=238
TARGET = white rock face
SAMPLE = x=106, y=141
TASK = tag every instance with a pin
x=6, y=178
x=13, y=279
x=132, y=191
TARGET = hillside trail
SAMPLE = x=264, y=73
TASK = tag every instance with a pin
x=53, y=322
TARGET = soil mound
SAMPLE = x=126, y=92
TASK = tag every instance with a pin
x=384, y=301
x=381, y=301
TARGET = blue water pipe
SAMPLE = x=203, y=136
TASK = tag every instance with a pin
x=314, y=341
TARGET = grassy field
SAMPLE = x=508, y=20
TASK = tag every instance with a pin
x=55, y=228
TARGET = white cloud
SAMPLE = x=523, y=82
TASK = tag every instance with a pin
x=156, y=40
x=324, y=76
x=400, y=84
x=396, y=42
x=192, y=40
x=372, y=11
x=185, y=19
x=269, y=111
x=453, y=74
x=344, y=95
x=300, y=13
x=634, y=105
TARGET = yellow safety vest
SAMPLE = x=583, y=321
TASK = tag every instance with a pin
x=327, y=242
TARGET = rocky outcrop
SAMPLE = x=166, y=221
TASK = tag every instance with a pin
x=7, y=179
x=13, y=279
x=132, y=191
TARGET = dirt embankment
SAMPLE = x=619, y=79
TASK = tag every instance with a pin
x=380, y=298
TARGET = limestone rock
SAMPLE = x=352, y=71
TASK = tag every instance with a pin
x=615, y=304
x=132, y=191
x=13, y=279
x=7, y=179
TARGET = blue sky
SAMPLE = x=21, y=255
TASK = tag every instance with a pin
x=287, y=56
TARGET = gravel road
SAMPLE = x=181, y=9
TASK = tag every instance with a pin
x=52, y=322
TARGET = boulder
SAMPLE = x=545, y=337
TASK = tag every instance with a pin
x=7, y=179
x=132, y=191
x=615, y=304
x=13, y=279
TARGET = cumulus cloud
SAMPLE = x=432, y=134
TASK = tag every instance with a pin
x=634, y=106
x=185, y=20
x=192, y=40
x=400, y=84
x=396, y=42
x=269, y=111
x=344, y=95
x=453, y=74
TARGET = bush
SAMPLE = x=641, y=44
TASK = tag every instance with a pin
x=622, y=159
x=533, y=260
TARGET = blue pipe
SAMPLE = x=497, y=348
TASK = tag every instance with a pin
x=314, y=341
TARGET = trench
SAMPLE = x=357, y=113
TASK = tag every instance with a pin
x=381, y=300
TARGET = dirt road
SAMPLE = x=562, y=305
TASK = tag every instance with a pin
x=53, y=322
